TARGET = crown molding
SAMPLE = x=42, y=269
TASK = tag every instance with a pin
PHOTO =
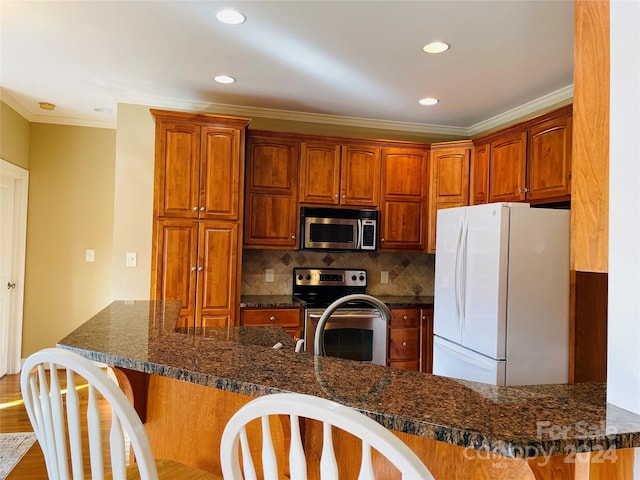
x=272, y=113
x=553, y=99
x=550, y=100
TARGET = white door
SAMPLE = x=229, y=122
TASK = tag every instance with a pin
x=446, y=297
x=451, y=360
x=13, y=228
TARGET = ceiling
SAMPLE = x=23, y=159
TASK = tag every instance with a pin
x=345, y=62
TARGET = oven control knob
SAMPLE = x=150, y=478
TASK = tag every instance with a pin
x=308, y=277
x=353, y=277
x=300, y=277
x=362, y=278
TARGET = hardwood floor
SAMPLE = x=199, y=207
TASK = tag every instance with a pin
x=13, y=418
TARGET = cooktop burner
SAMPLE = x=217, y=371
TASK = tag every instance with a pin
x=319, y=287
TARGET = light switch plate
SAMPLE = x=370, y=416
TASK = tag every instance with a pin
x=384, y=277
x=89, y=255
x=132, y=259
x=268, y=275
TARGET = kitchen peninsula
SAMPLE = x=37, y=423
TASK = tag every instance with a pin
x=187, y=383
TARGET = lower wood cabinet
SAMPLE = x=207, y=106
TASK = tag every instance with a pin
x=411, y=339
x=404, y=338
x=290, y=319
x=197, y=263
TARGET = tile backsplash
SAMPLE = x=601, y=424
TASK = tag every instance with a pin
x=409, y=273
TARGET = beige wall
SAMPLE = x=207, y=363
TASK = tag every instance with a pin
x=70, y=210
x=14, y=137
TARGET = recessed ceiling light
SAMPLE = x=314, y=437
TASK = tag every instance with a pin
x=103, y=110
x=47, y=106
x=428, y=101
x=436, y=47
x=224, y=79
x=230, y=16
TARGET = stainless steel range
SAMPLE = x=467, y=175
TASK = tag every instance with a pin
x=356, y=330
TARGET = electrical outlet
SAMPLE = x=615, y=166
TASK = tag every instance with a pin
x=384, y=277
x=89, y=255
x=132, y=259
x=268, y=275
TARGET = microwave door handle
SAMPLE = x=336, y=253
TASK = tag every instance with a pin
x=359, y=234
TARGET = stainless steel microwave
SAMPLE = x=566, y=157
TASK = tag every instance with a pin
x=338, y=229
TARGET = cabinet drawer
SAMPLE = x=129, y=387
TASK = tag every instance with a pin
x=405, y=317
x=284, y=317
x=403, y=344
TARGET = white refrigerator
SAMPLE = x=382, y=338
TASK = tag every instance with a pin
x=501, y=294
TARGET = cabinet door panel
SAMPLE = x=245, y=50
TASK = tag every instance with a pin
x=272, y=166
x=403, y=174
x=220, y=185
x=549, y=160
x=402, y=226
x=403, y=344
x=480, y=175
x=176, y=261
x=268, y=224
x=177, y=169
x=271, y=196
x=320, y=173
x=360, y=177
x=218, y=259
x=507, y=169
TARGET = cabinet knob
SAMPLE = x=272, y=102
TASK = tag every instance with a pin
x=273, y=319
x=293, y=237
x=404, y=317
x=200, y=269
x=526, y=189
x=382, y=240
x=404, y=344
x=519, y=190
x=344, y=196
x=202, y=209
x=195, y=209
x=336, y=196
x=193, y=269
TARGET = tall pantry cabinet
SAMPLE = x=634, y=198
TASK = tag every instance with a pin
x=198, y=215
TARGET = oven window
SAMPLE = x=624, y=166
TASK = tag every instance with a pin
x=351, y=343
x=331, y=233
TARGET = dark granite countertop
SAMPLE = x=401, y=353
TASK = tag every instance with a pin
x=525, y=421
x=273, y=301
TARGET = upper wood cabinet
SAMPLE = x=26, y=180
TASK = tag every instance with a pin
x=479, y=182
x=271, y=197
x=197, y=169
x=507, y=167
x=449, y=185
x=549, y=159
x=403, y=212
x=529, y=162
x=332, y=173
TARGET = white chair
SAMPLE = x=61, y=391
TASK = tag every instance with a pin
x=57, y=416
x=371, y=433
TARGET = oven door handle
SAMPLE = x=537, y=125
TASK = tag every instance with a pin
x=348, y=315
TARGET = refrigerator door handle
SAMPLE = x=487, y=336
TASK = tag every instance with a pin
x=457, y=273
x=468, y=358
x=463, y=272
